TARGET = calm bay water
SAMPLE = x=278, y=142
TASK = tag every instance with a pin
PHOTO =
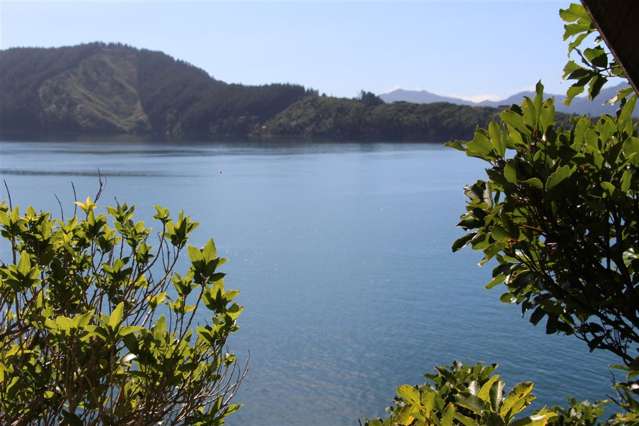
x=342, y=255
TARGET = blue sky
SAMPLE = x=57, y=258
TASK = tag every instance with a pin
x=474, y=49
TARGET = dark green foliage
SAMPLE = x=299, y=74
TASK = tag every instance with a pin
x=96, y=327
x=370, y=99
x=560, y=215
x=184, y=101
x=22, y=73
x=114, y=88
x=58, y=91
x=580, y=413
x=340, y=118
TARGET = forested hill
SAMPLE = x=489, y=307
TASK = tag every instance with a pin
x=112, y=88
x=108, y=89
x=338, y=118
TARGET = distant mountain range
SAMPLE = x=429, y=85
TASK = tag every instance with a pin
x=579, y=105
x=421, y=97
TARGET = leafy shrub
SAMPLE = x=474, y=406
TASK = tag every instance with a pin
x=579, y=413
x=97, y=328
x=463, y=395
x=559, y=215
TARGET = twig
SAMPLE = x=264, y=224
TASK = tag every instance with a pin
x=75, y=199
x=8, y=193
x=61, y=208
x=101, y=184
x=13, y=238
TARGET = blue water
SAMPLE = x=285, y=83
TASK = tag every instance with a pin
x=342, y=255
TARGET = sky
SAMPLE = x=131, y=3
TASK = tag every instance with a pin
x=472, y=49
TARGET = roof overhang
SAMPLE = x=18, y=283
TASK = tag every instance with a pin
x=618, y=24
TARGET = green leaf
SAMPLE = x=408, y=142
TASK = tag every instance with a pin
x=64, y=323
x=499, y=233
x=626, y=180
x=484, y=392
x=161, y=213
x=496, y=395
x=471, y=402
x=530, y=114
x=570, y=67
x=495, y=281
x=507, y=298
x=458, y=145
x=209, y=252
x=514, y=119
x=496, y=138
x=539, y=96
x=528, y=421
x=82, y=320
x=159, y=329
x=510, y=173
x=465, y=420
x=579, y=39
x=540, y=418
x=534, y=182
x=625, y=115
x=448, y=416
x=597, y=56
x=194, y=254
x=428, y=400
x=24, y=264
x=537, y=315
x=461, y=242
x=631, y=146
x=116, y=316
x=516, y=399
x=579, y=132
x=608, y=187
x=571, y=30
x=50, y=324
x=574, y=13
x=547, y=116
x=573, y=91
x=408, y=393
x=578, y=74
x=595, y=85
x=156, y=300
x=480, y=146
x=558, y=176
x=124, y=331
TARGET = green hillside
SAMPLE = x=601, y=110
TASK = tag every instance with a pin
x=325, y=117
x=111, y=89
